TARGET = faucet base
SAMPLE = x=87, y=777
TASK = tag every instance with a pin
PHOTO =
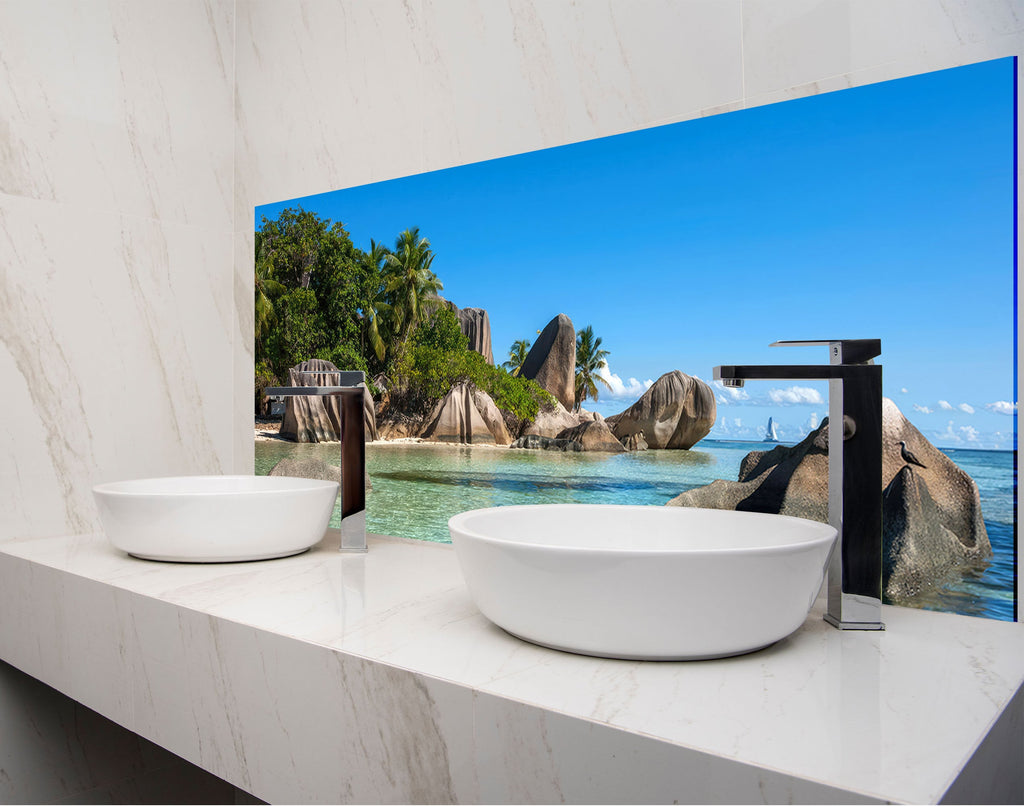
x=853, y=625
x=353, y=532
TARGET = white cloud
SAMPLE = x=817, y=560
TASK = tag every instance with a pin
x=733, y=428
x=949, y=435
x=730, y=394
x=964, y=433
x=1002, y=407
x=966, y=408
x=904, y=390
x=945, y=405
x=969, y=434
x=795, y=396
x=922, y=409
x=631, y=389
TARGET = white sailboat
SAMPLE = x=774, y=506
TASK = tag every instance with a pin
x=770, y=434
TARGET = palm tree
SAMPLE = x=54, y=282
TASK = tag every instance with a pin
x=589, y=359
x=376, y=309
x=517, y=356
x=411, y=283
x=267, y=289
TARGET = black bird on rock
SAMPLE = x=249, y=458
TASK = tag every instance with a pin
x=909, y=457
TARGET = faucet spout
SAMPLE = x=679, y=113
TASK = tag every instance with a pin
x=854, y=470
x=730, y=374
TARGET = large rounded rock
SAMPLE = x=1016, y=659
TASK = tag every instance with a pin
x=458, y=418
x=551, y=422
x=492, y=417
x=676, y=412
x=551, y=361
x=536, y=442
x=918, y=550
x=593, y=435
x=955, y=493
x=318, y=418
x=635, y=442
x=931, y=515
x=311, y=419
x=783, y=481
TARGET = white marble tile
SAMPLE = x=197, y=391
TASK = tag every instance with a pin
x=116, y=335
x=295, y=723
x=74, y=644
x=577, y=761
x=16, y=604
x=120, y=106
x=116, y=211
x=807, y=43
x=469, y=80
x=227, y=660
x=990, y=776
x=561, y=73
x=342, y=109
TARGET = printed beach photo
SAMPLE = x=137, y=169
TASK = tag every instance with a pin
x=543, y=328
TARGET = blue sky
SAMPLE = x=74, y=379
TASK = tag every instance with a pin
x=883, y=211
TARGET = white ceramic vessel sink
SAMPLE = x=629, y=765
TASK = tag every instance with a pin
x=642, y=582
x=209, y=519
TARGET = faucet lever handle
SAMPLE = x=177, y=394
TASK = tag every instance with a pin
x=842, y=351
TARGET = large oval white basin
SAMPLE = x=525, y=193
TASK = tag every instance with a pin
x=642, y=582
x=209, y=519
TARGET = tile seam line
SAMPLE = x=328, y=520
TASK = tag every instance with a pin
x=232, y=253
x=743, y=53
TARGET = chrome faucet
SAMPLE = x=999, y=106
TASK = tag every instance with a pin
x=353, y=448
x=854, y=470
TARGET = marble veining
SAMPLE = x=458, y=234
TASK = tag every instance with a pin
x=237, y=667
x=80, y=427
x=170, y=122
x=117, y=314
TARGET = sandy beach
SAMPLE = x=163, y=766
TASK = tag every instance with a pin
x=269, y=431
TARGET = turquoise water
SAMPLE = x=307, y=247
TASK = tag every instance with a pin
x=417, y=488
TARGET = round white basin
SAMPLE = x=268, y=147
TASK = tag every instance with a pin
x=209, y=519
x=642, y=582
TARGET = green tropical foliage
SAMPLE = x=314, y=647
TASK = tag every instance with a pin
x=589, y=359
x=310, y=280
x=319, y=296
x=376, y=308
x=267, y=290
x=439, y=359
x=517, y=356
x=411, y=284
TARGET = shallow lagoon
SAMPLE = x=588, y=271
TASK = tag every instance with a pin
x=417, y=487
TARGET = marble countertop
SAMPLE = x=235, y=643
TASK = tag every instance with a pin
x=822, y=715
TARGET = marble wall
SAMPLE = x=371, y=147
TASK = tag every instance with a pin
x=117, y=320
